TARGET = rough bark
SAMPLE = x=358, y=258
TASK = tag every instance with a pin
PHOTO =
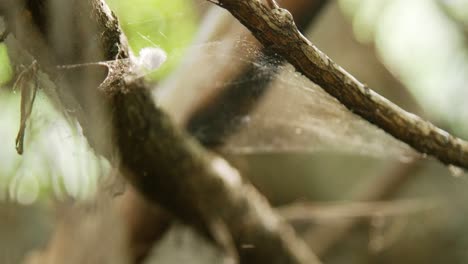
x=197, y=186
x=274, y=27
x=215, y=119
x=161, y=161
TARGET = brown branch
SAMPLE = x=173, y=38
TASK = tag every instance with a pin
x=197, y=186
x=162, y=162
x=145, y=223
x=215, y=119
x=275, y=28
x=224, y=106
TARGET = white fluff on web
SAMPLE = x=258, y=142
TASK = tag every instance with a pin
x=149, y=59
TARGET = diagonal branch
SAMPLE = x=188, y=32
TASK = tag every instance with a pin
x=207, y=122
x=161, y=161
x=275, y=28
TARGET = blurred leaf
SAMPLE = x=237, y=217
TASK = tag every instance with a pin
x=169, y=25
x=5, y=68
x=422, y=48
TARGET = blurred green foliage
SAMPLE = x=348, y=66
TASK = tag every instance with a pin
x=57, y=158
x=5, y=68
x=458, y=9
x=169, y=25
x=423, y=47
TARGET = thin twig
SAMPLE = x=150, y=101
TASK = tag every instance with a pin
x=28, y=95
x=221, y=110
x=275, y=28
x=324, y=212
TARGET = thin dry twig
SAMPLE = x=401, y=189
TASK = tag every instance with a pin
x=28, y=85
x=275, y=28
x=214, y=104
x=335, y=211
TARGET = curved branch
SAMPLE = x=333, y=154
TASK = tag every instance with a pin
x=275, y=28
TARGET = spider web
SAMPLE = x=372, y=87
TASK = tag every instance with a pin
x=297, y=115
x=290, y=114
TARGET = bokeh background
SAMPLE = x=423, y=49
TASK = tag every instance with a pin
x=361, y=196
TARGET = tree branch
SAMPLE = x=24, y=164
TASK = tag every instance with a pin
x=207, y=122
x=164, y=164
x=196, y=185
x=275, y=28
